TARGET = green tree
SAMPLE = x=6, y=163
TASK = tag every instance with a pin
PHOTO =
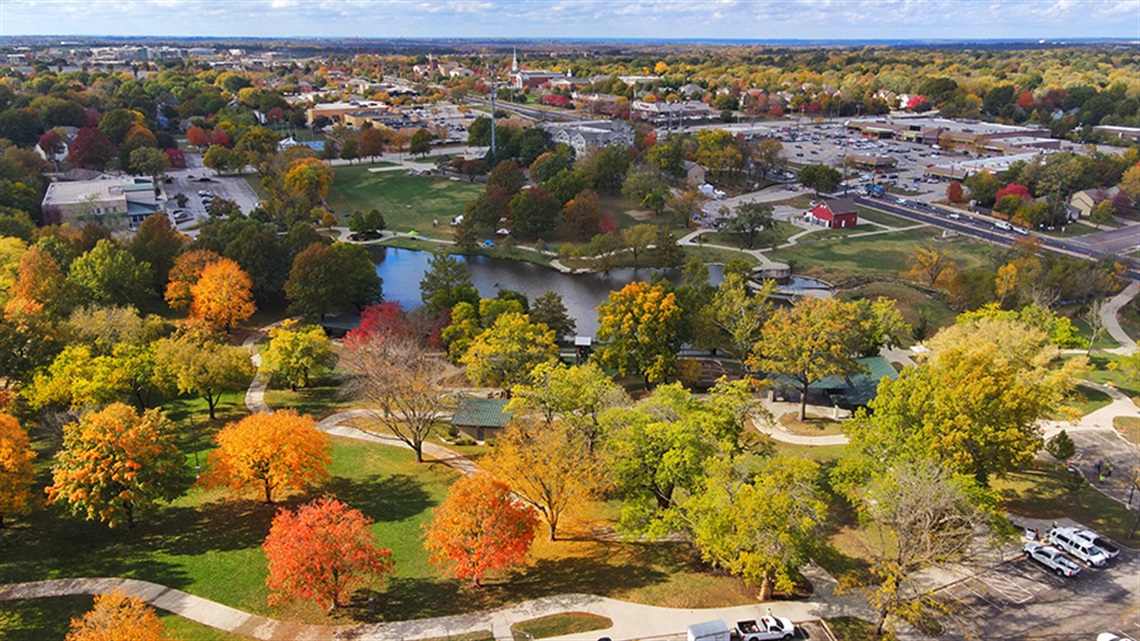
x=361, y=222
x=506, y=352
x=109, y=274
x=1061, y=446
x=203, y=367
x=638, y=331
x=446, y=283
x=807, y=343
x=534, y=211
x=157, y=243
x=420, y=142
x=549, y=310
x=821, y=178
x=116, y=463
x=577, y=394
x=751, y=221
x=740, y=315
x=298, y=354
x=149, y=161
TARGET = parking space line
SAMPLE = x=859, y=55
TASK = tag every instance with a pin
x=1008, y=588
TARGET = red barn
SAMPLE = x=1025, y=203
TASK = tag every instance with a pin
x=834, y=214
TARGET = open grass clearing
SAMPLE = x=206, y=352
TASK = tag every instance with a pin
x=557, y=625
x=780, y=233
x=823, y=233
x=811, y=425
x=879, y=255
x=1103, y=341
x=883, y=218
x=916, y=306
x=320, y=399
x=1043, y=493
x=407, y=202
x=714, y=256
x=1071, y=229
x=1102, y=369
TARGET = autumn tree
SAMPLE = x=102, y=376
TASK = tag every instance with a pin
x=39, y=279
x=549, y=468
x=576, y=394
x=638, y=329
x=298, y=354
x=505, y=353
x=954, y=192
x=740, y=314
x=16, y=471
x=158, y=243
x=307, y=181
x=110, y=274
x=223, y=295
x=479, y=528
x=973, y=404
x=583, y=213
x=322, y=553
x=762, y=526
x=400, y=383
x=116, y=463
x=806, y=343
x=184, y=273
x=204, y=367
x=931, y=263
x=269, y=452
x=118, y=617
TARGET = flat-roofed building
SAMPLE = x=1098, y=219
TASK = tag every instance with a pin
x=115, y=202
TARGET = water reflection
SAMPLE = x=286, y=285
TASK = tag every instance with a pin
x=402, y=270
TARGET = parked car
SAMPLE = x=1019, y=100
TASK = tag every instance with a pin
x=1068, y=540
x=1108, y=547
x=765, y=629
x=1052, y=558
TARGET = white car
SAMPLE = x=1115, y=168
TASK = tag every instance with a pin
x=1068, y=540
x=1052, y=558
x=766, y=629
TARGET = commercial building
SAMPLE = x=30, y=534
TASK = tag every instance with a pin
x=589, y=134
x=115, y=202
x=664, y=113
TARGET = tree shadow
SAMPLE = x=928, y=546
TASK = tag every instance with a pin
x=212, y=527
x=385, y=498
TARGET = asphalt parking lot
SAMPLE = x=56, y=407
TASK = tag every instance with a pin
x=189, y=182
x=1021, y=599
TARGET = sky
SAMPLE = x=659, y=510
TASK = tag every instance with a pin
x=621, y=19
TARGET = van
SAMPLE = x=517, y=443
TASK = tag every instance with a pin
x=1078, y=546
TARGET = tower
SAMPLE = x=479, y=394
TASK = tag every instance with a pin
x=515, y=59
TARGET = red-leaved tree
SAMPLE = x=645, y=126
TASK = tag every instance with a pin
x=198, y=137
x=1014, y=189
x=954, y=192
x=322, y=553
x=385, y=319
x=479, y=528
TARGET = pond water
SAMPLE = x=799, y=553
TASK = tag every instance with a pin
x=402, y=270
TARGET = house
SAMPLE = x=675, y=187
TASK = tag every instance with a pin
x=1084, y=201
x=481, y=418
x=833, y=213
x=694, y=173
x=590, y=134
x=115, y=202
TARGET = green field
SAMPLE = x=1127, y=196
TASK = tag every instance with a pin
x=781, y=232
x=883, y=218
x=913, y=303
x=44, y=619
x=407, y=202
x=879, y=255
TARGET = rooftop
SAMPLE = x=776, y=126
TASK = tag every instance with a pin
x=481, y=412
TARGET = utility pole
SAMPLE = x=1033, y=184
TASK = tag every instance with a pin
x=492, y=117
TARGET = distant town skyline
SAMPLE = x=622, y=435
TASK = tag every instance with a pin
x=661, y=19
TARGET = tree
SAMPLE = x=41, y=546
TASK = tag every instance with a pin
x=973, y=404
x=507, y=175
x=158, y=243
x=298, y=354
x=223, y=295
x=184, y=274
x=806, y=343
x=222, y=160
x=117, y=123
x=637, y=240
x=821, y=178
x=740, y=315
x=954, y=192
x=39, y=279
x=322, y=553
x=1102, y=213
x=1094, y=319
x=761, y=527
x=420, y=142
x=118, y=617
x=506, y=352
x=549, y=468
x=548, y=309
x=446, y=283
x=203, y=367
x=360, y=284
x=198, y=137
x=400, y=383
x=576, y=394
x=372, y=221
x=90, y=149
x=638, y=327
x=1061, y=446
x=268, y=452
x=534, y=212
x=931, y=263
x=983, y=188
x=583, y=214
x=109, y=274
x=16, y=471
x=751, y=220
x=149, y=161
x=116, y=463
x=315, y=281
x=307, y=181
x=922, y=516
x=479, y=528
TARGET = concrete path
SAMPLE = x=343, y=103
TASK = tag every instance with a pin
x=1111, y=321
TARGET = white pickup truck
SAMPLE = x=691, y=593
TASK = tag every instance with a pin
x=765, y=629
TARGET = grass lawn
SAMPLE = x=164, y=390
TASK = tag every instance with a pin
x=883, y=218
x=1099, y=372
x=812, y=426
x=880, y=255
x=1041, y=493
x=712, y=255
x=1089, y=400
x=1071, y=229
x=781, y=232
x=320, y=399
x=557, y=625
x=911, y=302
x=1103, y=341
x=49, y=618
x=822, y=233
x=1129, y=426
x=407, y=202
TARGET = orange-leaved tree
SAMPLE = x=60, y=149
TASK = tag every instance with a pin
x=222, y=295
x=16, y=470
x=479, y=528
x=116, y=463
x=186, y=271
x=118, y=617
x=265, y=452
x=322, y=552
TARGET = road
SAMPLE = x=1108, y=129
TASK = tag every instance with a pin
x=984, y=230
x=537, y=113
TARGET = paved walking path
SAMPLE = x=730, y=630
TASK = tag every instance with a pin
x=1108, y=313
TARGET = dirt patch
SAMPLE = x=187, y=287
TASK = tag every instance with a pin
x=639, y=214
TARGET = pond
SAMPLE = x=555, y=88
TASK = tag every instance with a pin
x=402, y=270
